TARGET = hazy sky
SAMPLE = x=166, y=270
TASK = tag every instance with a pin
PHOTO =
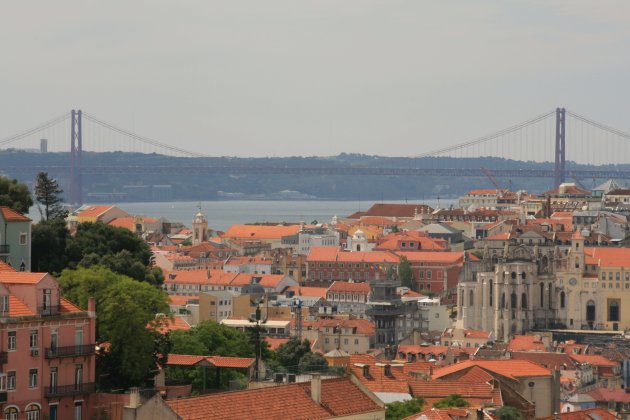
x=295, y=77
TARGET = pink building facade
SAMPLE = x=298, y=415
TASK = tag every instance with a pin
x=47, y=350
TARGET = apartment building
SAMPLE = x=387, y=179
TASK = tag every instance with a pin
x=47, y=350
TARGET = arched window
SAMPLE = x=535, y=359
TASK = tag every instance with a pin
x=32, y=412
x=562, y=297
x=11, y=413
x=471, y=298
x=513, y=301
x=523, y=275
x=542, y=295
x=491, y=293
x=513, y=275
x=524, y=301
x=590, y=311
x=549, y=304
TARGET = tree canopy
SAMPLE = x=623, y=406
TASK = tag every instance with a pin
x=453, y=400
x=48, y=246
x=400, y=409
x=289, y=354
x=15, y=195
x=48, y=195
x=405, y=274
x=125, y=307
x=508, y=413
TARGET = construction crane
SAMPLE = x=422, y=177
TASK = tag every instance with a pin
x=488, y=173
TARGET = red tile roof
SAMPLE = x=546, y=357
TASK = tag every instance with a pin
x=274, y=343
x=439, y=414
x=526, y=343
x=547, y=359
x=309, y=291
x=512, y=369
x=21, y=277
x=377, y=381
x=260, y=231
x=67, y=306
x=165, y=324
x=231, y=362
x=339, y=397
x=433, y=257
x=476, y=393
x=6, y=267
x=11, y=215
x=593, y=359
x=588, y=414
x=332, y=253
x=348, y=287
x=18, y=308
x=606, y=394
x=94, y=211
x=608, y=257
x=394, y=210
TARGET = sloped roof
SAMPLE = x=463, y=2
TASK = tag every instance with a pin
x=393, y=210
x=549, y=360
x=587, y=414
x=261, y=231
x=21, y=277
x=593, y=359
x=377, y=381
x=526, y=343
x=11, y=215
x=348, y=287
x=608, y=257
x=18, y=308
x=438, y=257
x=6, y=267
x=512, y=369
x=309, y=291
x=339, y=397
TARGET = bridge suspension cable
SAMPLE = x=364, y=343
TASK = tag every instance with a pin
x=601, y=126
x=489, y=137
x=140, y=138
x=34, y=130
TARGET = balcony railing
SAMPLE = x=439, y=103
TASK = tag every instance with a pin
x=70, y=351
x=49, y=310
x=67, y=390
x=5, y=249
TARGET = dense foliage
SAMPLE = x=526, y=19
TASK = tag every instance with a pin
x=295, y=356
x=405, y=275
x=15, y=195
x=93, y=244
x=48, y=195
x=125, y=307
x=508, y=413
x=453, y=400
x=210, y=339
x=400, y=409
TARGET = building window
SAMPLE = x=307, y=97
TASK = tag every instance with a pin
x=78, y=410
x=11, y=380
x=356, y=341
x=4, y=303
x=23, y=238
x=11, y=413
x=33, y=339
x=32, y=378
x=78, y=376
x=613, y=310
x=429, y=274
x=562, y=298
x=12, y=341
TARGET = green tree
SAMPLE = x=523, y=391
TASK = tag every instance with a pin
x=48, y=194
x=125, y=307
x=312, y=362
x=115, y=248
x=405, y=274
x=400, y=409
x=508, y=413
x=289, y=354
x=15, y=195
x=210, y=339
x=453, y=400
x=48, y=246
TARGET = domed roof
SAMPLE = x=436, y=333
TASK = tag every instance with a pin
x=200, y=218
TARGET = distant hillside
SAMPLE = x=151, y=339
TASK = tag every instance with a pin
x=138, y=187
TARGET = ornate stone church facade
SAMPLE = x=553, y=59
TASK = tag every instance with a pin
x=518, y=290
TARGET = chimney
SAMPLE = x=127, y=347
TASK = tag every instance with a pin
x=316, y=388
x=91, y=307
x=134, y=397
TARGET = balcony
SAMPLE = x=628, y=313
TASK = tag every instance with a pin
x=69, y=390
x=70, y=351
x=49, y=310
x=5, y=249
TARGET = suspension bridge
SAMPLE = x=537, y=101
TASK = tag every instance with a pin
x=593, y=151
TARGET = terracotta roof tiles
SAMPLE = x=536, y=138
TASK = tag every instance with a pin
x=11, y=215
